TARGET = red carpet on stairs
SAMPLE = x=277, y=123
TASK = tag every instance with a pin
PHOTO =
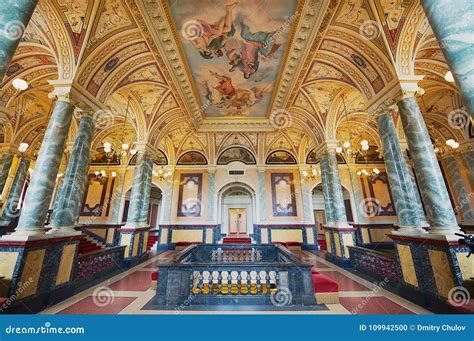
x=87, y=246
x=152, y=238
x=237, y=240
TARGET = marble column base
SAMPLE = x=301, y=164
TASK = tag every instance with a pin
x=26, y=234
x=410, y=231
x=64, y=231
x=136, y=225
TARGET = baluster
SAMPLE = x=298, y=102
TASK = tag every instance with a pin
x=195, y=276
x=234, y=289
x=253, y=282
x=263, y=282
x=244, y=290
x=225, y=283
x=273, y=286
x=215, y=282
x=205, y=282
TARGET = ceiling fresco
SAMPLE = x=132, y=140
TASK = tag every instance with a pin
x=234, y=51
x=203, y=78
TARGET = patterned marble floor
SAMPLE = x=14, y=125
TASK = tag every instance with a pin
x=129, y=293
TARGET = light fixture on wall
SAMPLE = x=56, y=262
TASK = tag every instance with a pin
x=311, y=173
x=23, y=147
x=162, y=175
x=368, y=173
x=449, y=146
x=101, y=176
x=449, y=77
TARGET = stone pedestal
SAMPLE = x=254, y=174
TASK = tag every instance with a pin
x=338, y=240
x=432, y=272
x=37, y=271
x=135, y=241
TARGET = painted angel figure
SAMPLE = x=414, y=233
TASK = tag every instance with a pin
x=211, y=38
x=256, y=44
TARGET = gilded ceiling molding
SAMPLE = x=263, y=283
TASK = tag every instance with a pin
x=95, y=60
x=65, y=51
x=404, y=58
x=359, y=78
x=113, y=80
x=307, y=62
x=369, y=51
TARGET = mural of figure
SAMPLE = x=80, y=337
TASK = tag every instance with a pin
x=213, y=37
x=247, y=59
x=226, y=95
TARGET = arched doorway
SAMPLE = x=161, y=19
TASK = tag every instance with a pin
x=154, y=207
x=237, y=210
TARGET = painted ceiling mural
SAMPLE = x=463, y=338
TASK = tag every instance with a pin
x=234, y=51
x=317, y=62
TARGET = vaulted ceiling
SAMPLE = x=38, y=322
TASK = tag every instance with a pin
x=328, y=62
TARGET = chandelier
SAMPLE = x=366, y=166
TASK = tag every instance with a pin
x=449, y=146
x=311, y=173
x=162, y=175
x=122, y=150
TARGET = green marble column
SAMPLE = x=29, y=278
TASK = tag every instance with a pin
x=71, y=193
x=147, y=184
x=14, y=17
x=452, y=24
x=117, y=198
x=439, y=212
x=5, y=165
x=335, y=190
x=328, y=198
x=468, y=157
x=408, y=211
x=138, y=188
x=211, y=192
x=459, y=190
x=10, y=211
x=38, y=197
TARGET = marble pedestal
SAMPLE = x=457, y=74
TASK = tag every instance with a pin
x=338, y=239
x=135, y=241
x=432, y=271
x=37, y=271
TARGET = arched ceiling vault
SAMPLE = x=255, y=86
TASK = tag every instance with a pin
x=334, y=61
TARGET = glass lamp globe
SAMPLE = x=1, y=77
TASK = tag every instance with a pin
x=346, y=144
x=20, y=84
